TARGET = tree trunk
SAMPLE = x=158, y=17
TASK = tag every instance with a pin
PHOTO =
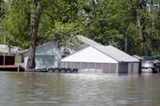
x=35, y=17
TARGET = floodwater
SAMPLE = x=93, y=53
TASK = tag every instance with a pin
x=60, y=89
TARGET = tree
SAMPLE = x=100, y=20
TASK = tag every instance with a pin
x=103, y=21
x=39, y=21
x=2, y=15
x=142, y=30
x=129, y=23
x=1, y=8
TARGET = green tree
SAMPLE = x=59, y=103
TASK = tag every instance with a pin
x=3, y=9
x=142, y=31
x=39, y=21
x=132, y=24
x=103, y=21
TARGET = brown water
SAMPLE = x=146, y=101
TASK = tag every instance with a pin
x=50, y=89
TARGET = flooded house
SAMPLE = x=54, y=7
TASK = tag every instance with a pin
x=102, y=59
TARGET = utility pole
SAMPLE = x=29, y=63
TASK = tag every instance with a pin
x=9, y=47
x=4, y=51
x=4, y=38
x=126, y=43
x=126, y=39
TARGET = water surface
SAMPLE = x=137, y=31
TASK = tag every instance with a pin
x=51, y=89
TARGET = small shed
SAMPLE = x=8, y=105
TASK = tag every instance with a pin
x=101, y=59
x=12, y=51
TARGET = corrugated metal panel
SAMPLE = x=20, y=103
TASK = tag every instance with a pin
x=89, y=54
x=116, y=54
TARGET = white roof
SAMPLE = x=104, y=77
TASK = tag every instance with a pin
x=116, y=54
x=89, y=54
x=5, y=49
x=105, y=54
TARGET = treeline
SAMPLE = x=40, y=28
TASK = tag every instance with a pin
x=131, y=25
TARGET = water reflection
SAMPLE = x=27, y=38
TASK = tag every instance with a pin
x=41, y=89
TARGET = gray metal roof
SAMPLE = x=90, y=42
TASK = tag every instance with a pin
x=88, y=41
x=116, y=54
x=45, y=44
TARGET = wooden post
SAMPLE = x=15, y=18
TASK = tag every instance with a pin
x=18, y=69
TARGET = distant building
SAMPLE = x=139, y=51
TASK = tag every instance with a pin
x=4, y=49
x=49, y=55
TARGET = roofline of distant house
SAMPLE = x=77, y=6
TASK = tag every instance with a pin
x=51, y=42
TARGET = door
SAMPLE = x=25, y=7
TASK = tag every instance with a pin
x=123, y=68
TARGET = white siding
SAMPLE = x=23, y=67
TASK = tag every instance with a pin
x=43, y=61
x=133, y=68
x=89, y=54
x=45, y=50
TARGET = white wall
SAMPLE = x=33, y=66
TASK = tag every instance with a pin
x=43, y=61
x=48, y=49
x=133, y=68
x=45, y=50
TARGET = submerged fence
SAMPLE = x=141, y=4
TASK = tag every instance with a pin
x=86, y=67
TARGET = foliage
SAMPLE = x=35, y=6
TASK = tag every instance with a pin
x=31, y=22
x=3, y=9
x=132, y=25
x=58, y=18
